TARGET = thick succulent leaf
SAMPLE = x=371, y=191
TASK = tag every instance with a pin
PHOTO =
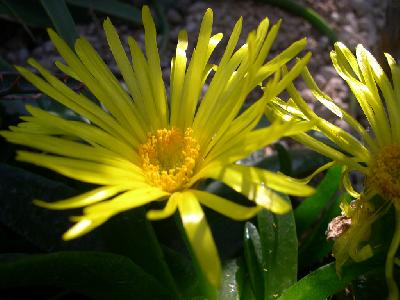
x=18, y=188
x=28, y=13
x=132, y=235
x=279, y=252
x=94, y=274
x=233, y=277
x=324, y=282
x=115, y=8
x=254, y=259
x=61, y=19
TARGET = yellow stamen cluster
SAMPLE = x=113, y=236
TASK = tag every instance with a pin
x=384, y=174
x=169, y=157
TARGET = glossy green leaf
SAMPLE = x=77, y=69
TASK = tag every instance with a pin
x=28, y=13
x=232, y=280
x=279, y=250
x=132, y=235
x=315, y=247
x=311, y=208
x=254, y=259
x=61, y=19
x=183, y=272
x=324, y=282
x=18, y=188
x=111, y=8
x=94, y=274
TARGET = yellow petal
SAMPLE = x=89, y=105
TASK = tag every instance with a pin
x=178, y=67
x=166, y=212
x=71, y=149
x=82, y=200
x=86, y=132
x=192, y=86
x=153, y=59
x=200, y=237
x=225, y=207
x=83, y=226
x=76, y=102
x=125, y=201
x=253, y=183
x=96, y=173
x=118, y=101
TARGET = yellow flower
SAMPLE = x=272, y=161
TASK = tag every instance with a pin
x=140, y=147
x=374, y=151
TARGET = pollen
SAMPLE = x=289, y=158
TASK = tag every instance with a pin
x=169, y=158
x=384, y=174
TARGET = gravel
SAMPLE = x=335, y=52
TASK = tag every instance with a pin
x=355, y=21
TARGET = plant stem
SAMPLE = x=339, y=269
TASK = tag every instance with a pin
x=393, y=291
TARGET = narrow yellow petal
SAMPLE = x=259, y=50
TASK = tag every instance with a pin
x=265, y=44
x=119, y=102
x=143, y=77
x=233, y=39
x=82, y=200
x=225, y=207
x=166, y=212
x=72, y=149
x=128, y=200
x=238, y=128
x=67, y=70
x=178, y=76
x=192, y=86
x=77, y=102
x=80, y=69
x=153, y=59
x=326, y=150
x=123, y=64
x=253, y=184
x=255, y=140
x=83, y=170
x=200, y=237
x=91, y=134
x=347, y=183
x=82, y=227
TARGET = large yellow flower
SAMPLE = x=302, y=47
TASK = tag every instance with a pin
x=141, y=146
x=374, y=151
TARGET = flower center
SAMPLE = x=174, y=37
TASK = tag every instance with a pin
x=384, y=173
x=169, y=157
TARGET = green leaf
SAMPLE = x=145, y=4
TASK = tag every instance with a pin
x=94, y=274
x=42, y=227
x=315, y=247
x=111, y=7
x=61, y=19
x=254, y=259
x=132, y=235
x=28, y=13
x=310, y=209
x=308, y=14
x=324, y=282
x=183, y=272
x=232, y=280
x=279, y=250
